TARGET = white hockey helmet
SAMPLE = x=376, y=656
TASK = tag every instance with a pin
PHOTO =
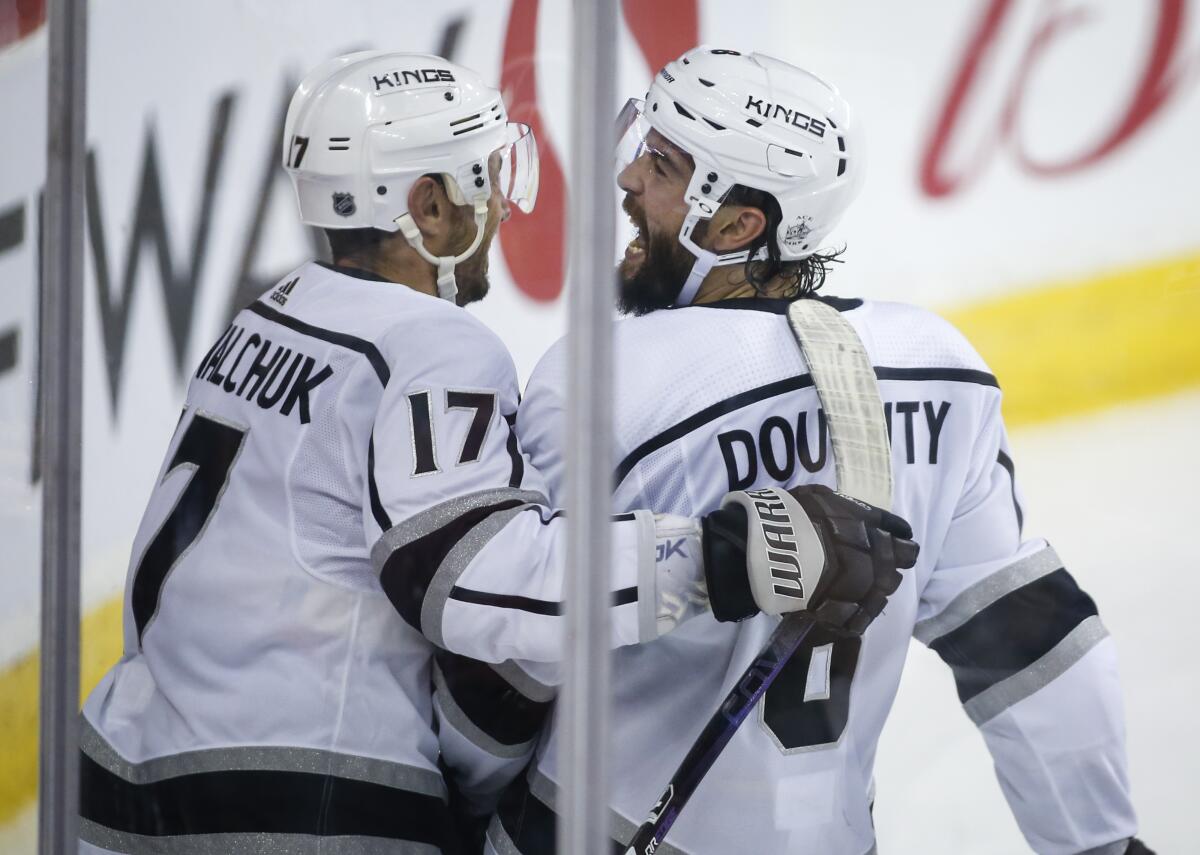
x=362, y=128
x=759, y=122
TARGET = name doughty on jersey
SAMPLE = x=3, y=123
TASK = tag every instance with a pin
x=268, y=374
x=780, y=445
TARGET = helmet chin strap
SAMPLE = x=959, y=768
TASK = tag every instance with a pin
x=706, y=260
x=445, y=264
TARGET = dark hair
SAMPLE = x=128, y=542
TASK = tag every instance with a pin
x=359, y=244
x=801, y=278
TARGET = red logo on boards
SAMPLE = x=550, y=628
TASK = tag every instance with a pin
x=533, y=245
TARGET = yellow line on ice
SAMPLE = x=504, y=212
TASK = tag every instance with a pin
x=1059, y=350
x=100, y=646
x=1080, y=346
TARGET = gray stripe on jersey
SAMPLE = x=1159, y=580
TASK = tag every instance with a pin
x=499, y=843
x=531, y=688
x=455, y=563
x=498, y=840
x=246, y=843
x=460, y=721
x=317, y=761
x=432, y=519
x=995, y=700
x=621, y=829
x=545, y=789
x=987, y=591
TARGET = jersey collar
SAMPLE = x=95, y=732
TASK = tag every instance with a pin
x=775, y=306
x=356, y=272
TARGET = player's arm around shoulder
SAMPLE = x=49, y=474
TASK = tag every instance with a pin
x=469, y=549
x=741, y=538
x=446, y=470
x=442, y=459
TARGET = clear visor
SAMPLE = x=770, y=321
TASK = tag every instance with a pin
x=638, y=138
x=633, y=129
x=517, y=176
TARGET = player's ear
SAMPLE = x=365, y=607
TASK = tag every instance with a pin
x=735, y=226
x=430, y=208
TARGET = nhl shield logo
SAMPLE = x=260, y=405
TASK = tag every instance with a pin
x=343, y=204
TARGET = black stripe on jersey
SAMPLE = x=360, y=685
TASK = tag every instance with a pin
x=345, y=340
x=955, y=375
x=625, y=596
x=553, y=608
x=1013, y=632
x=514, y=452
x=1006, y=461
x=490, y=702
x=377, y=510
x=708, y=414
x=530, y=825
x=777, y=306
x=356, y=272
x=260, y=801
x=781, y=387
x=407, y=572
x=553, y=515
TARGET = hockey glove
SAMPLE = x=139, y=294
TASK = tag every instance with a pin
x=779, y=551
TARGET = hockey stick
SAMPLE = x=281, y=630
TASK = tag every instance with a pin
x=846, y=385
x=756, y=679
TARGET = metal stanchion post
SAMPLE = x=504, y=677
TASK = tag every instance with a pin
x=61, y=381
x=591, y=234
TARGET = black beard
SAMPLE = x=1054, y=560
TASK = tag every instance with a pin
x=471, y=276
x=472, y=287
x=659, y=278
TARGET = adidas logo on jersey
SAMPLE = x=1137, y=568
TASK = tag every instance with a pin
x=280, y=294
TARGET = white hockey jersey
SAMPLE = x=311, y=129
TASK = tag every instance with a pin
x=715, y=398
x=343, y=492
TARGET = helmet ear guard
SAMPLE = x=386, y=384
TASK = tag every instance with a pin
x=705, y=195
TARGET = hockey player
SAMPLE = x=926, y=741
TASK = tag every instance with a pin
x=736, y=169
x=344, y=492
